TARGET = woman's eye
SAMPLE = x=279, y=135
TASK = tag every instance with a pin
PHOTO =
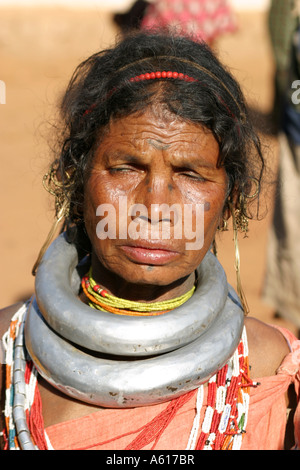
x=189, y=173
x=120, y=169
x=193, y=175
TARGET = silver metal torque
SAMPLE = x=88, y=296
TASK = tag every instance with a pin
x=124, y=384
x=56, y=283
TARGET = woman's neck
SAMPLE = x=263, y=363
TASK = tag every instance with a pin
x=119, y=287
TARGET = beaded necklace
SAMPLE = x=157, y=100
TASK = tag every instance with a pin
x=225, y=418
x=225, y=414
x=101, y=300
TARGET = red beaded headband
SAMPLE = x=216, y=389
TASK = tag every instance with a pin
x=153, y=75
x=164, y=74
x=195, y=66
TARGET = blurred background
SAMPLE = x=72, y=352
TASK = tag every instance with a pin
x=41, y=42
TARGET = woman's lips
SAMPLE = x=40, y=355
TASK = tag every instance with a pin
x=149, y=255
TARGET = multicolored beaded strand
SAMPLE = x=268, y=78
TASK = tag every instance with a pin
x=100, y=299
x=8, y=341
x=32, y=403
x=228, y=397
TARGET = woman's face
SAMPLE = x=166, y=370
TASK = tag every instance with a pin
x=154, y=197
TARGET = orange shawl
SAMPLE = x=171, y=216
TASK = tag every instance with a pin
x=114, y=429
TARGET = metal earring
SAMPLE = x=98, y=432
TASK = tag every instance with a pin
x=61, y=215
x=62, y=208
x=237, y=260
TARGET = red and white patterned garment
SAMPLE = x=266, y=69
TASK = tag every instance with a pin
x=201, y=19
x=114, y=429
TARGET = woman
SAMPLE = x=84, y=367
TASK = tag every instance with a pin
x=153, y=350
x=282, y=279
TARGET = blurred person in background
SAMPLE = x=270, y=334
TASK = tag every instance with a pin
x=132, y=18
x=282, y=283
x=202, y=19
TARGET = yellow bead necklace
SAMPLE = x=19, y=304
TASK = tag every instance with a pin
x=100, y=299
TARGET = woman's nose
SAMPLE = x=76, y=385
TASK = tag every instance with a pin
x=155, y=200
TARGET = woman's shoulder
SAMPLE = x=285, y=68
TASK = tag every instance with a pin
x=267, y=347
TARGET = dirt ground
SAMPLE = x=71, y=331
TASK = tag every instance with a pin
x=39, y=49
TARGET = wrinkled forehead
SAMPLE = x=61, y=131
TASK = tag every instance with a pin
x=156, y=123
x=137, y=138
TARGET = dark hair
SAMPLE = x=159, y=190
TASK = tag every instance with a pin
x=101, y=89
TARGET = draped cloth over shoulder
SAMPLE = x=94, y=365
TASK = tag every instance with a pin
x=265, y=428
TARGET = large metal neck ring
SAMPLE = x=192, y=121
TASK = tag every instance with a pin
x=57, y=281
x=118, y=382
